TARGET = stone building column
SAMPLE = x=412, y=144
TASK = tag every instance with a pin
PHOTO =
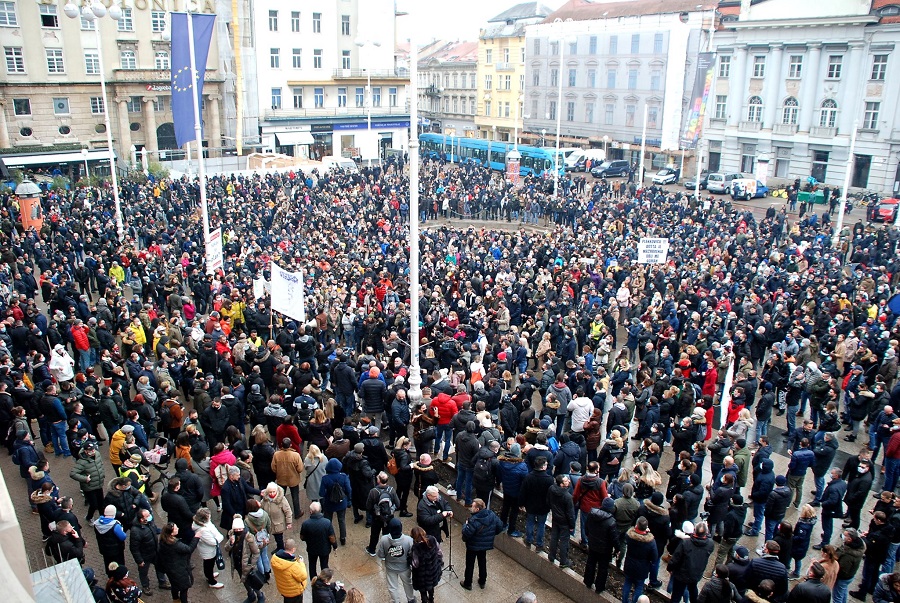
x=150, y=126
x=850, y=107
x=737, y=86
x=772, y=86
x=124, y=137
x=215, y=126
x=4, y=127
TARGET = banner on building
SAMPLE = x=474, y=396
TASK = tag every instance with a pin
x=696, y=112
x=287, y=293
x=652, y=250
x=214, y=255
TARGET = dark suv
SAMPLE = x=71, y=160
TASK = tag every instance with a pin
x=608, y=169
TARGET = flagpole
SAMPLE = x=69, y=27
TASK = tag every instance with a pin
x=198, y=128
x=415, y=372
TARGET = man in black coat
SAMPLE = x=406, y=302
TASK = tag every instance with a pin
x=478, y=533
x=603, y=539
x=533, y=497
x=65, y=543
x=344, y=382
x=235, y=494
x=812, y=590
x=432, y=513
x=318, y=534
x=857, y=489
x=832, y=505
x=177, y=510
x=372, y=391
x=214, y=420
x=768, y=567
x=878, y=539
x=660, y=526
x=191, y=486
x=143, y=543
x=689, y=561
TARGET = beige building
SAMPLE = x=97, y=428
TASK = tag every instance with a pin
x=501, y=70
x=50, y=91
x=448, y=87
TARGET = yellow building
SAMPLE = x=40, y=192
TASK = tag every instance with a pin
x=501, y=70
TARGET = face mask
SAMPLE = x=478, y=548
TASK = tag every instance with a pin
x=861, y=469
x=149, y=519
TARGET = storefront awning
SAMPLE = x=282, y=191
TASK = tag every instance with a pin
x=289, y=139
x=21, y=161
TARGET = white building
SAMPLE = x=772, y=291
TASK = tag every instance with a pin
x=793, y=79
x=313, y=64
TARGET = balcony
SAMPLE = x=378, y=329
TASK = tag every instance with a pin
x=823, y=132
x=504, y=66
x=784, y=129
x=321, y=112
x=361, y=74
x=750, y=126
x=432, y=90
x=154, y=76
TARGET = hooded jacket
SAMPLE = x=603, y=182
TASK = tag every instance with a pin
x=479, y=531
x=512, y=470
x=533, y=495
x=640, y=555
x=777, y=503
x=333, y=475
x=88, y=467
x=589, y=492
x=562, y=510
x=602, y=533
x=690, y=558
x=279, y=510
x=659, y=523
x=291, y=578
x=110, y=536
x=764, y=482
x=850, y=556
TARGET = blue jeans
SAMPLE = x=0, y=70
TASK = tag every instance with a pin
x=888, y=566
x=759, y=511
x=820, y=487
x=583, y=520
x=839, y=592
x=827, y=528
x=679, y=588
x=771, y=524
x=464, y=484
x=891, y=473
x=638, y=586
x=45, y=431
x=535, y=523
x=60, y=443
x=347, y=402
x=792, y=419
x=441, y=432
x=84, y=359
x=762, y=428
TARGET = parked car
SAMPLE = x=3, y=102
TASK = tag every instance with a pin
x=884, y=211
x=691, y=183
x=748, y=188
x=666, y=176
x=720, y=182
x=608, y=169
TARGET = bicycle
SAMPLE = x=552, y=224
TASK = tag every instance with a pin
x=780, y=193
x=162, y=478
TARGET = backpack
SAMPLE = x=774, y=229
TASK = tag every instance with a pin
x=222, y=474
x=482, y=472
x=385, y=507
x=165, y=416
x=337, y=494
x=392, y=467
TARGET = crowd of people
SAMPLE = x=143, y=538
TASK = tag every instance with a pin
x=556, y=371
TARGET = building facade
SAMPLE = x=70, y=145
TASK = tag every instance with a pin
x=50, y=88
x=447, y=87
x=597, y=67
x=501, y=71
x=794, y=78
x=314, y=64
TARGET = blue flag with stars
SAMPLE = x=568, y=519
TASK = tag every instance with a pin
x=182, y=85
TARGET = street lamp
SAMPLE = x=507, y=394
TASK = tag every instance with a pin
x=605, y=147
x=93, y=12
x=84, y=156
x=362, y=43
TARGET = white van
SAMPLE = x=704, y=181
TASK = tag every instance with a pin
x=577, y=161
x=331, y=162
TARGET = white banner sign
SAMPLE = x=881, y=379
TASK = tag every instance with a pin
x=260, y=288
x=287, y=293
x=653, y=250
x=214, y=257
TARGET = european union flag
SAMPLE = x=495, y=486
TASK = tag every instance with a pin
x=182, y=85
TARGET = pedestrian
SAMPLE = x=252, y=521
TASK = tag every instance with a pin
x=208, y=546
x=467, y=447
x=877, y=539
x=857, y=492
x=603, y=539
x=25, y=456
x=404, y=476
x=394, y=549
x=324, y=590
x=719, y=587
x=290, y=573
x=512, y=470
x=318, y=534
x=235, y=494
x=801, y=461
x=275, y=504
x=426, y=562
x=849, y=557
x=768, y=567
x=534, y=491
x=110, y=538
x=732, y=527
x=562, y=513
x=244, y=552
x=314, y=465
x=688, y=563
x=776, y=507
x=65, y=543
x=143, y=544
x=478, y=534
x=626, y=511
x=640, y=556
x=381, y=504
x=90, y=475
x=812, y=590
x=888, y=589
x=362, y=480
x=433, y=512
x=288, y=468
x=801, y=538
x=120, y=587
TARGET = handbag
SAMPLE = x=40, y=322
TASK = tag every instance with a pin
x=424, y=435
x=220, y=560
x=255, y=580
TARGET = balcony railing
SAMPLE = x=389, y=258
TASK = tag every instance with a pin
x=432, y=90
x=381, y=74
x=353, y=111
x=504, y=66
x=750, y=126
x=823, y=132
x=784, y=129
x=154, y=75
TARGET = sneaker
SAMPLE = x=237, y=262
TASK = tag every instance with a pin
x=451, y=492
x=760, y=551
x=516, y=535
x=217, y=585
x=370, y=552
x=795, y=575
x=566, y=565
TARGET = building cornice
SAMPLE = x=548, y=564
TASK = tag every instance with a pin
x=816, y=22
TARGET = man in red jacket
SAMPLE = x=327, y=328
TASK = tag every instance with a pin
x=589, y=494
x=82, y=345
x=443, y=408
x=892, y=458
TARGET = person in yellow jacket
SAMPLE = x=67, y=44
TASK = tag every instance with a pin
x=117, y=273
x=136, y=332
x=290, y=573
x=116, y=441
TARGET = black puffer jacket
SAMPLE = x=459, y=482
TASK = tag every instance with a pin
x=690, y=558
x=372, y=392
x=601, y=531
x=533, y=495
x=777, y=503
x=175, y=561
x=143, y=542
x=561, y=507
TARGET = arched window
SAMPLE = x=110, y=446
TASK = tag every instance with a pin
x=828, y=113
x=754, y=110
x=789, y=111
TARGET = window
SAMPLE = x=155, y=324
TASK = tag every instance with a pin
x=55, y=60
x=61, y=106
x=462, y=80
x=345, y=25
x=759, y=66
x=360, y=97
x=724, y=66
x=134, y=104
x=506, y=82
x=589, y=112
x=608, y=114
x=835, y=63
x=748, y=158
x=611, y=79
x=657, y=43
x=488, y=56
x=8, y=16
x=613, y=44
x=295, y=21
x=505, y=52
x=789, y=111
x=629, y=114
x=345, y=59
x=632, y=79
x=655, y=80
x=573, y=48
x=392, y=97
x=91, y=62
x=127, y=59
x=721, y=106
x=297, y=93
x=505, y=110
x=376, y=96
x=879, y=67
x=297, y=58
x=487, y=108
x=870, y=119
x=554, y=48
x=88, y=24
x=828, y=113
x=15, y=61
x=455, y=105
x=22, y=106
x=572, y=77
x=782, y=162
x=536, y=47
x=126, y=23
x=49, y=18
x=157, y=21
x=592, y=46
x=273, y=20
x=819, y=165
x=319, y=97
x=652, y=117
x=317, y=23
x=570, y=111
x=554, y=77
x=535, y=78
x=160, y=105
x=97, y=107
x=635, y=43
x=317, y=58
x=534, y=107
x=276, y=98
x=592, y=78
x=488, y=82
x=795, y=67
x=161, y=59
x=342, y=97
x=274, y=58
x=551, y=110
x=754, y=111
